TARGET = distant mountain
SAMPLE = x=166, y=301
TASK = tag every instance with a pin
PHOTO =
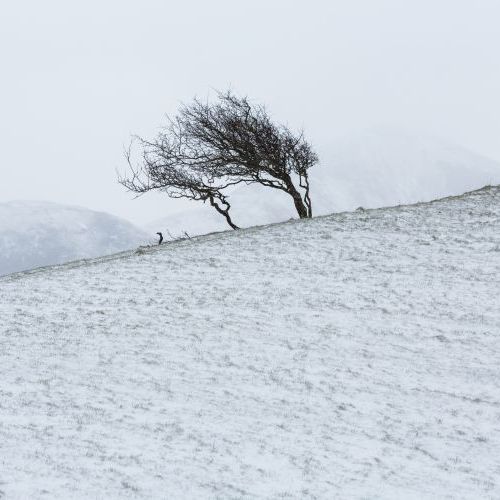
x=371, y=169
x=36, y=234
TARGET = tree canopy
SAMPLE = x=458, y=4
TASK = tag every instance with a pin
x=211, y=146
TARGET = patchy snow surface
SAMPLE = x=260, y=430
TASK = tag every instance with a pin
x=349, y=356
x=36, y=234
x=370, y=169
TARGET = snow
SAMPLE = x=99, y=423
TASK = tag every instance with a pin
x=375, y=168
x=350, y=356
x=41, y=233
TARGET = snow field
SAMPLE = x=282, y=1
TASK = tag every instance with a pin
x=350, y=356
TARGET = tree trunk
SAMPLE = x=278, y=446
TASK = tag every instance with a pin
x=224, y=212
x=297, y=199
x=307, y=197
x=299, y=206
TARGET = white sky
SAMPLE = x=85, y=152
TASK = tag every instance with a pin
x=77, y=78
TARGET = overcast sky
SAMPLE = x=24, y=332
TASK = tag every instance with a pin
x=77, y=78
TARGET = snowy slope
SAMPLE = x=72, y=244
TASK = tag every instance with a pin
x=40, y=233
x=371, y=169
x=349, y=356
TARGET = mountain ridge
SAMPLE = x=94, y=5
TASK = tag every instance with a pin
x=199, y=238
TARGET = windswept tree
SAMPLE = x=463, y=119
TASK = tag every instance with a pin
x=210, y=147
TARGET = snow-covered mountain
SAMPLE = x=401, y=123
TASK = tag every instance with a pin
x=40, y=233
x=371, y=169
x=350, y=356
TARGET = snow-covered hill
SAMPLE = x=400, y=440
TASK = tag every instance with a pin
x=371, y=169
x=40, y=233
x=349, y=356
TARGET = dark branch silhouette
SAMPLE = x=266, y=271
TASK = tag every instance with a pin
x=210, y=147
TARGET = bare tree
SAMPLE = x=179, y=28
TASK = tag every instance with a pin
x=210, y=147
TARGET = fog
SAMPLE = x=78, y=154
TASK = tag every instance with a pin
x=79, y=78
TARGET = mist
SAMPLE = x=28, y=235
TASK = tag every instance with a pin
x=79, y=78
